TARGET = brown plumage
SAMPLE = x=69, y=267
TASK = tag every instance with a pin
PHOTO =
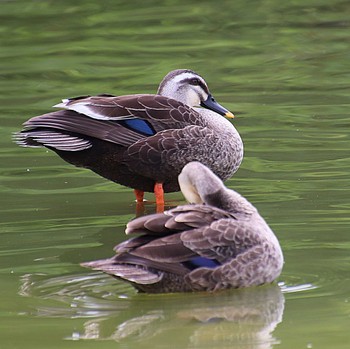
x=219, y=242
x=141, y=140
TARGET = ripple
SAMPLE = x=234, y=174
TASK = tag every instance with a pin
x=205, y=320
x=82, y=295
x=324, y=283
x=296, y=288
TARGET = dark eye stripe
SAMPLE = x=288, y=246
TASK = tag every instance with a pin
x=198, y=82
x=204, y=87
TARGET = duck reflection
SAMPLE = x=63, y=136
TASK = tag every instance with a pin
x=243, y=318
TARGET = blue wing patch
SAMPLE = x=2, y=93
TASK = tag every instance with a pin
x=140, y=126
x=198, y=262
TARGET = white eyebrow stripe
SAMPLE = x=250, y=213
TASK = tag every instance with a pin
x=183, y=76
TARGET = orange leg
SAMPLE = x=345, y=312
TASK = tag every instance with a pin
x=140, y=209
x=139, y=195
x=159, y=194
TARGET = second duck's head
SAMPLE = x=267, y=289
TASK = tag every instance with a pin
x=190, y=88
x=198, y=184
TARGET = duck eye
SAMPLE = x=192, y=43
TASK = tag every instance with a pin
x=195, y=82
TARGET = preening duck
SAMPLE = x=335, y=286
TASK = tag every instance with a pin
x=218, y=242
x=142, y=141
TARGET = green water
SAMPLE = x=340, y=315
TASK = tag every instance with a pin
x=281, y=67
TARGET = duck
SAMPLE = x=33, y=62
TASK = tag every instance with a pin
x=217, y=241
x=142, y=141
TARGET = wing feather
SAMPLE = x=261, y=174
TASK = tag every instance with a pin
x=205, y=231
x=102, y=117
x=52, y=139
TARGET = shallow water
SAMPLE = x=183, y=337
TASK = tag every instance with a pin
x=281, y=67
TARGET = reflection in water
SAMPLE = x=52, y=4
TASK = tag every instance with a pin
x=245, y=318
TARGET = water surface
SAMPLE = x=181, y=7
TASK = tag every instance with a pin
x=281, y=67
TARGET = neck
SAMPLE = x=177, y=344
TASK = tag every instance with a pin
x=212, y=191
x=230, y=201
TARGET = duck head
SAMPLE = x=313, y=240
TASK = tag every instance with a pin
x=200, y=185
x=191, y=89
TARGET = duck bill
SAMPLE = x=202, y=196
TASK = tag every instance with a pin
x=212, y=104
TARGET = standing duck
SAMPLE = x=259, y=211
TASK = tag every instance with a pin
x=142, y=141
x=218, y=242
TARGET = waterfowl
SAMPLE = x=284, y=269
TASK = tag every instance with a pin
x=219, y=241
x=142, y=141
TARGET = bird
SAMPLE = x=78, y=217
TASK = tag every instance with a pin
x=217, y=241
x=142, y=141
